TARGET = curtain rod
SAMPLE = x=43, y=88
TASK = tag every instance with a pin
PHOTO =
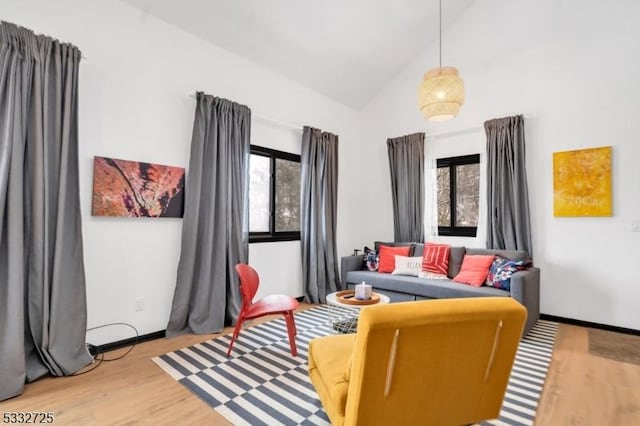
x=463, y=130
x=292, y=126
x=455, y=132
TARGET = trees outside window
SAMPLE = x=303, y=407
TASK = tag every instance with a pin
x=458, y=186
x=274, y=195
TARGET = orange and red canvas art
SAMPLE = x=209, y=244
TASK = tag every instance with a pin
x=582, y=182
x=136, y=189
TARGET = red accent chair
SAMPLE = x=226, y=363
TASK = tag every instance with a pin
x=269, y=305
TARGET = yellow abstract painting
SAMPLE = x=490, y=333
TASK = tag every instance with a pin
x=582, y=182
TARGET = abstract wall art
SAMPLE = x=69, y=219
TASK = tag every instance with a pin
x=582, y=182
x=136, y=189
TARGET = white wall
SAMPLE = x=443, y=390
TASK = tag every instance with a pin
x=453, y=145
x=134, y=104
x=285, y=278
x=571, y=67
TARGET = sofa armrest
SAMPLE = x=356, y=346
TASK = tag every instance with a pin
x=525, y=288
x=350, y=263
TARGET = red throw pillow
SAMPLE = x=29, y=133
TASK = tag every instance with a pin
x=388, y=257
x=474, y=269
x=436, y=258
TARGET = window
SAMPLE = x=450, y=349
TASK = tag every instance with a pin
x=458, y=180
x=274, y=195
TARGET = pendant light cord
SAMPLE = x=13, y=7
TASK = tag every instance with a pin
x=440, y=11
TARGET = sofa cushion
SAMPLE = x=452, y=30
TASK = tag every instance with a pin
x=432, y=276
x=387, y=262
x=328, y=371
x=418, y=250
x=507, y=254
x=436, y=258
x=377, y=244
x=475, y=269
x=435, y=289
x=456, y=254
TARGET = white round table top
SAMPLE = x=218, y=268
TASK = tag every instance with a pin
x=333, y=300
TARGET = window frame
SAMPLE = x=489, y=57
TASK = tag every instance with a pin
x=272, y=235
x=451, y=163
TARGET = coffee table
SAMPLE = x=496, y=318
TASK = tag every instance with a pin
x=344, y=315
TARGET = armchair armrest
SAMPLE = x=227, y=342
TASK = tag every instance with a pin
x=525, y=288
x=350, y=263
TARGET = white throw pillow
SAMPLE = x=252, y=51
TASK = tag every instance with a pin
x=408, y=266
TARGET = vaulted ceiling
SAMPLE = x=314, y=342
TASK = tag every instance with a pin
x=345, y=49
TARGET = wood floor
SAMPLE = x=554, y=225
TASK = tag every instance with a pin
x=581, y=389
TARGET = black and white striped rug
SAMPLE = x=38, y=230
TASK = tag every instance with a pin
x=262, y=384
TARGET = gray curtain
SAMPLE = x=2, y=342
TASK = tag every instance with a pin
x=406, y=163
x=508, y=222
x=319, y=206
x=43, y=311
x=215, y=233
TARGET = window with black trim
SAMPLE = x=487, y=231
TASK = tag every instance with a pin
x=458, y=182
x=274, y=195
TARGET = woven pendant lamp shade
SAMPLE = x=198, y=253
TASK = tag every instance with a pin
x=441, y=94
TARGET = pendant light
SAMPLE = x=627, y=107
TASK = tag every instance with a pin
x=441, y=93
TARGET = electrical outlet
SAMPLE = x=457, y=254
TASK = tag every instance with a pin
x=635, y=225
x=138, y=304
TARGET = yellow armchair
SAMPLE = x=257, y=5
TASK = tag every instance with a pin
x=435, y=362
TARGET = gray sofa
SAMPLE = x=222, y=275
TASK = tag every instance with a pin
x=525, y=285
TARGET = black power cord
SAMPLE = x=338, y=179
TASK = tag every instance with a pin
x=98, y=359
x=98, y=354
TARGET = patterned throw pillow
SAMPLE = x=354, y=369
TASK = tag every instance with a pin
x=372, y=260
x=501, y=271
x=436, y=258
